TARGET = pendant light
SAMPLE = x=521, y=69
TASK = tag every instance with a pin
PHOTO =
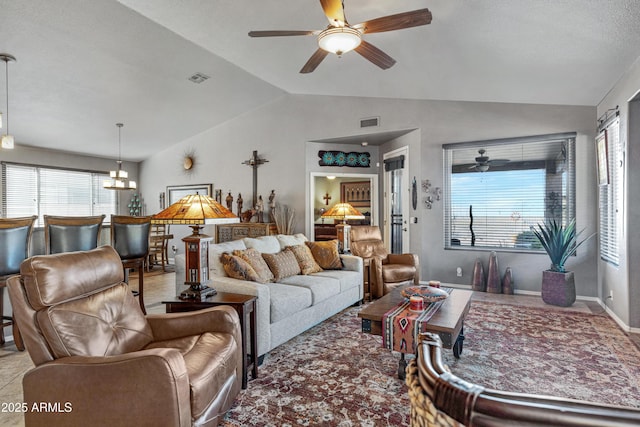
x=119, y=178
x=7, y=139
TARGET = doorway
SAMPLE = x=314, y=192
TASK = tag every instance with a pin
x=396, y=200
x=326, y=189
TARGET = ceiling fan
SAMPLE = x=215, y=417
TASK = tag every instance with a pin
x=340, y=37
x=483, y=162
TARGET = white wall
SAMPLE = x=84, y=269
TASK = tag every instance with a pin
x=623, y=279
x=280, y=130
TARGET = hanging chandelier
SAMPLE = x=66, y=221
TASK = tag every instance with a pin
x=119, y=178
x=7, y=139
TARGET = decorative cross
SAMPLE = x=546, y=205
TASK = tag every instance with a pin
x=254, y=162
x=326, y=198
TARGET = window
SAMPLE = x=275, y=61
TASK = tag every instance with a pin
x=610, y=194
x=496, y=191
x=34, y=190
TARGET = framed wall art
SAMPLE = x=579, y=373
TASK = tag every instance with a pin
x=357, y=194
x=177, y=192
x=602, y=158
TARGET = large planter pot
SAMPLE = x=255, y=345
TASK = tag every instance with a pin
x=558, y=288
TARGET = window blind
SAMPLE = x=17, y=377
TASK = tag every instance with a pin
x=611, y=195
x=35, y=190
x=531, y=182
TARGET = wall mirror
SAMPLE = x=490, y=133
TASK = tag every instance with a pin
x=496, y=191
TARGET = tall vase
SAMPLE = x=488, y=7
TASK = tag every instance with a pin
x=558, y=288
x=478, y=283
x=494, y=285
x=507, y=282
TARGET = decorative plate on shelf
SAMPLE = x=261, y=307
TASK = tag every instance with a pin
x=428, y=293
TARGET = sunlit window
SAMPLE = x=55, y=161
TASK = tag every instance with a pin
x=497, y=191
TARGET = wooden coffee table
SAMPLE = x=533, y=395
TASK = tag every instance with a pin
x=245, y=305
x=447, y=322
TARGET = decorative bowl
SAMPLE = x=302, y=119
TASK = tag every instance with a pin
x=427, y=293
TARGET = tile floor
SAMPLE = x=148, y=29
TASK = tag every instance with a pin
x=158, y=287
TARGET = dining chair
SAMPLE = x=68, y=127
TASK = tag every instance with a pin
x=71, y=233
x=158, y=246
x=130, y=238
x=15, y=247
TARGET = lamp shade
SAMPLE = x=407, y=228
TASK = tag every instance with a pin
x=195, y=209
x=343, y=211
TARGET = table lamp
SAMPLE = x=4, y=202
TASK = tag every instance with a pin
x=196, y=211
x=343, y=211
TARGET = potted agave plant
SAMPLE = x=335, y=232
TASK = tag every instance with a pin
x=560, y=242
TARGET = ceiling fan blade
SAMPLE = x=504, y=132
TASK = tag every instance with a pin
x=277, y=33
x=314, y=61
x=498, y=162
x=399, y=21
x=334, y=9
x=375, y=55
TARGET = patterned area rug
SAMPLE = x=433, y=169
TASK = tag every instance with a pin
x=335, y=375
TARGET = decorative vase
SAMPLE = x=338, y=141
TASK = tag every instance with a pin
x=494, y=284
x=558, y=288
x=478, y=283
x=507, y=282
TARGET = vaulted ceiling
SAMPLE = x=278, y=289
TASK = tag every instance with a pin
x=83, y=66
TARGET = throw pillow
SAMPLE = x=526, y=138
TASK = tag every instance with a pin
x=283, y=264
x=326, y=254
x=238, y=268
x=255, y=260
x=305, y=259
x=291, y=240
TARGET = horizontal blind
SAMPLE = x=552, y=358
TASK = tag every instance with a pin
x=498, y=208
x=35, y=190
x=611, y=196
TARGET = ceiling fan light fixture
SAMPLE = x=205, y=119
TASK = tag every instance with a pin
x=482, y=168
x=339, y=40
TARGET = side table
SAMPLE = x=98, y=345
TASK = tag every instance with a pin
x=245, y=305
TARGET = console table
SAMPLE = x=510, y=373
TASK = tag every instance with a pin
x=228, y=232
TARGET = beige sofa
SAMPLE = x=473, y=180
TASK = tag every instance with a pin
x=295, y=303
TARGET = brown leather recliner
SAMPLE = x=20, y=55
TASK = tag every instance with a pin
x=387, y=271
x=100, y=361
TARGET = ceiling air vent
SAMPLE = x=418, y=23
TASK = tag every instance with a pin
x=370, y=122
x=198, y=78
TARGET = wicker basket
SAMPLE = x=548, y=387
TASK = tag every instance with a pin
x=423, y=411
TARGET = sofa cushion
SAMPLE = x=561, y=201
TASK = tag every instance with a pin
x=283, y=264
x=254, y=258
x=215, y=265
x=321, y=287
x=305, y=259
x=264, y=244
x=326, y=254
x=287, y=300
x=210, y=359
x=238, y=268
x=348, y=279
x=291, y=240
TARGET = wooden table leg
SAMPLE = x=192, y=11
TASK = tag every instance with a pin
x=254, y=340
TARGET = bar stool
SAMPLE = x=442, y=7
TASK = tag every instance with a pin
x=15, y=247
x=130, y=238
x=71, y=233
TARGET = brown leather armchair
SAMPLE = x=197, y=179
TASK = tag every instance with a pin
x=387, y=271
x=99, y=361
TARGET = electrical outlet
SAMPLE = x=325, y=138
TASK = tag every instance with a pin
x=459, y=271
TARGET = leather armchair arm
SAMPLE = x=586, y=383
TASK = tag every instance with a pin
x=408, y=259
x=143, y=388
x=375, y=275
x=176, y=325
